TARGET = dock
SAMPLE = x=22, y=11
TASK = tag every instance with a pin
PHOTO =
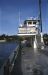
x=31, y=62
x=26, y=60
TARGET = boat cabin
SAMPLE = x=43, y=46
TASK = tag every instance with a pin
x=30, y=29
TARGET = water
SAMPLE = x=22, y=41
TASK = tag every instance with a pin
x=5, y=50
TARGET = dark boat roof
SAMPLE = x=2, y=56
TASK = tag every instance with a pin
x=32, y=20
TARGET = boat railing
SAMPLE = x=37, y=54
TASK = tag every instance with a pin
x=9, y=63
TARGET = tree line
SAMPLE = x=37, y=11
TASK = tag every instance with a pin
x=45, y=37
x=8, y=38
x=16, y=38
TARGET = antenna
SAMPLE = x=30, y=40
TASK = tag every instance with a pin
x=19, y=16
x=40, y=14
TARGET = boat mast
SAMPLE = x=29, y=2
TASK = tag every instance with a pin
x=19, y=16
x=40, y=16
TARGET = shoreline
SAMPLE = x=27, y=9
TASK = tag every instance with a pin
x=2, y=40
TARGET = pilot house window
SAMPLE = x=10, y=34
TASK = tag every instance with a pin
x=34, y=22
x=29, y=22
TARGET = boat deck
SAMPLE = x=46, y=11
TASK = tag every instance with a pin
x=31, y=62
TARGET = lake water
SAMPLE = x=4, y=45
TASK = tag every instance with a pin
x=5, y=50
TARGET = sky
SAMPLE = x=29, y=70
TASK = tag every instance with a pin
x=9, y=14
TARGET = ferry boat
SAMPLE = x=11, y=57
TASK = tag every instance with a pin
x=31, y=29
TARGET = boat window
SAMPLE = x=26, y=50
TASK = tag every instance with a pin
x=34, y=22
x=29, y=22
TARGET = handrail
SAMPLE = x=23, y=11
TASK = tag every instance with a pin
x=10, y=61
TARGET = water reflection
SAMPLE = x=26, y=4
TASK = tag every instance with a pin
x=5, y=50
